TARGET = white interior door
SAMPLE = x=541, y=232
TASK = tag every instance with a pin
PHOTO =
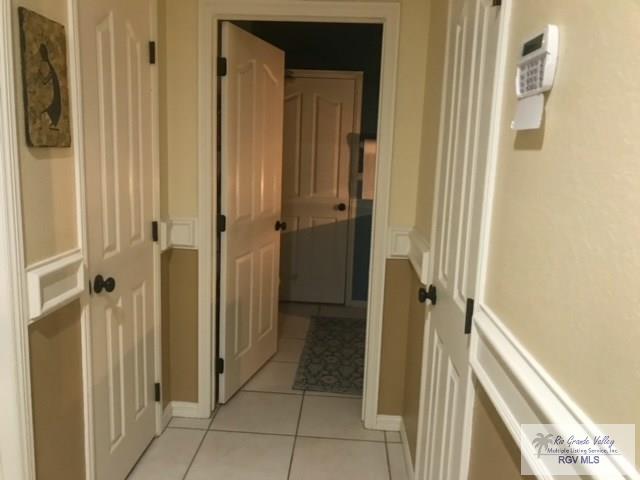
x=322, y=110
x=117, y=117
x=470, y=68
x=252, y=109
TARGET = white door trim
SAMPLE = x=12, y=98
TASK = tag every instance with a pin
x=210, y=12
x=157, y=246
x=16, y=434
x=75, y=92
x=500, y=90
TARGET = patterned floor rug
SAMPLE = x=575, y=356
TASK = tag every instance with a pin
x=333, y=356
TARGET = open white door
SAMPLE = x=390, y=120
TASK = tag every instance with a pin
x=252, y=126
x=470, y=67
x=117, y=117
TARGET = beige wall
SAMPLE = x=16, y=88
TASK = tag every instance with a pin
x=178, y=71
x=494, y=454
x=179, y=104
x=47, y=174
x=181, y=100
x=401, y=355
x=394, y=337
x=413, y=370
x=407, y=136
x=564, y=268
x=56, y=389
x=180, y=325
x=435, y=45
x=47, y=177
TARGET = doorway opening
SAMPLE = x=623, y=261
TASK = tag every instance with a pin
x=296, y=204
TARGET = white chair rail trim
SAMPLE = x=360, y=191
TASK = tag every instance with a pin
x=179, y=233
x=410, y=243
x=522, y=391
x=54, y=282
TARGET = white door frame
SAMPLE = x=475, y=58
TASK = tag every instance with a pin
x=16, y=435
x=485, y=227
x=210, y=13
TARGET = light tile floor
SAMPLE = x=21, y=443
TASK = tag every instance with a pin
x=269, y=431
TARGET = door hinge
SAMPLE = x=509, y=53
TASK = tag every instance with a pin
x=222, y=66
x=157, y=392
x=222, y=223
x=468, y=317
x=220, y=366
x=155, y=236
x=152, y=53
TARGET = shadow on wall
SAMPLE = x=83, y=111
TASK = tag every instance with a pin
x=312, y=254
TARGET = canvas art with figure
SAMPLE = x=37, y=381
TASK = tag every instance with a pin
x=44, y=80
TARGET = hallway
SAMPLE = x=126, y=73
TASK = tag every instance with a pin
x=269, y=431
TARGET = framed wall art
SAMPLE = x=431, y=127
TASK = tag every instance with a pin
x=43, y=49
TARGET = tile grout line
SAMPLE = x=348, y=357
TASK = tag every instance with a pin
x=308, y=393
x=295, y=438
x=386, y=449
x=247, y=432
x=316, y=437
x=186, y=472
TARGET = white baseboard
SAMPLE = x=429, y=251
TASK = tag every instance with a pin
x=523, y=392
x=408, y=462
x=390, y=423
x=186, y=409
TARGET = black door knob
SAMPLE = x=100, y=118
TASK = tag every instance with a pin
x=281, y=225
x=430, y=294
x=100, y=283
x=341, y=207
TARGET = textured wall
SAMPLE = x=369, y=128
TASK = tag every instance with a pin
x=407, y=136
x=435, y=46
x=494, y=453
x=413, y=369
x=56, y=388
x=394, y=337
x=402, y=338
x=180, y=325
x=179, y=101
x=47, y=175
x=564, y=264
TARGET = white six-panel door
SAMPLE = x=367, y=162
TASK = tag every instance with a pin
x=470, y=65
x=117, y=115
x=252, y=119
x=322, y=119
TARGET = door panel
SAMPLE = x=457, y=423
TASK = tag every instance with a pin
x=471, y=51
x=321, y=111
x=252, y=130
x=117, y=119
